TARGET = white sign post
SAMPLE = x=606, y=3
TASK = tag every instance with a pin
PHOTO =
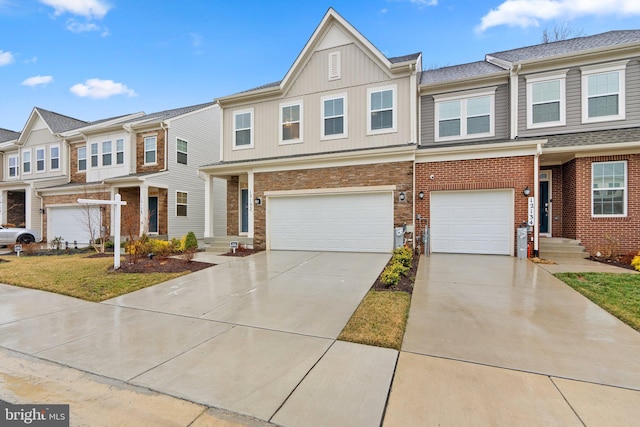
x=116, y=235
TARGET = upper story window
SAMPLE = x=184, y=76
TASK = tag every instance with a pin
x=94, y=155
x=334, y=65
x=181, y=151
x=82, y=159
x=466, y=115
x=120, y=151
x=14, y=166
x=106, y=153
x=546, y=100
x=291, y=122
x=603, y=92
x=334, y=117
x=243, y=129
x=40, y=160
x=54, y=160
x=381, y=105
x=26, y=161
x=150, y=150
x=609, y=188
x=181, y=203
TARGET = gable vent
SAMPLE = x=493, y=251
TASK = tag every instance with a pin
x=334, y=65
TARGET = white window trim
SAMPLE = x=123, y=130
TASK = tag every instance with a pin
x=624, y=188
x=251, y=129
x=394, y=110
x=30, y=162
x=44, y=151
x=86, y=160
x=296, y=140
x=16, y=167
x=115, y=150
x=182, y=204
x=51, y=147
x=334, y=58
x=102, y=154
x=145, y=151
x=463, y=96
x=560, y=75
x=90, y=155
x=345, y=133
x=180, y=151
x=587, y=71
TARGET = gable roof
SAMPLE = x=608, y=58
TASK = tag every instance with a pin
x=563, y=47
x=58, y=123
x=8, y=135
x=458, y=72
x=161, y=116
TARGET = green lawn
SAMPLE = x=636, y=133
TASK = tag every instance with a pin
x=76, y=275
x=619, y=294
x=380, y=320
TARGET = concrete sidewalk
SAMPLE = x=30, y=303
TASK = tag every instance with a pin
x=502, y=342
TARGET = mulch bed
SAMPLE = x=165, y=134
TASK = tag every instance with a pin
x=623, y=261
x=162, y=265
x=406, y=282
x=242, y=252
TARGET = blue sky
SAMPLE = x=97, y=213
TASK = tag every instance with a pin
x=93, y=59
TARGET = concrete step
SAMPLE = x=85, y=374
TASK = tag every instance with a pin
x=558, y=247
x=221, y=244
x=555, y=241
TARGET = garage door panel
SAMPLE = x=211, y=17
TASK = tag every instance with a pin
x=72, y=224
x=334, y=222
x=472, y=222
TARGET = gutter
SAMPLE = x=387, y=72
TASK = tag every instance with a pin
x=514, y=80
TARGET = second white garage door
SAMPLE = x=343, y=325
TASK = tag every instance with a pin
x=472, y=222
x=72, y=224
x=347, y=222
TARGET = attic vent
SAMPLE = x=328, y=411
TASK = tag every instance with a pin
x=334, y=65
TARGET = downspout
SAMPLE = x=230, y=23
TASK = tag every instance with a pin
x=166, y=146
x=536, y=189
x=513, y=76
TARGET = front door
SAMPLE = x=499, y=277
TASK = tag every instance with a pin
x=244, y=226
x=545, y=203
x=153, y=214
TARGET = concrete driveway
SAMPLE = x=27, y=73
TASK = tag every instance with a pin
x=253, y=335
x=495, y=340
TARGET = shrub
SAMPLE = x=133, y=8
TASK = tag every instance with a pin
x=392, y=273
x=190, y=246
x=31, y=249
x=635, y=262
x=160, y=248
x=403, y=255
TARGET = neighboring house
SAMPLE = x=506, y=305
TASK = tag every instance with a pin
x=559, y=119
x=323, y=159
x=150, y=159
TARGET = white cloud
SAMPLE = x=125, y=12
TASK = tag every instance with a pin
x=77, y=27
x=529, y=13
x=91, y=9
x=100, y=89
x=31, y=61
x=37, y=81
x=6, y=58
x=196, y=39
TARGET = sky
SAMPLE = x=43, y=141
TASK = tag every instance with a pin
x=94, y=59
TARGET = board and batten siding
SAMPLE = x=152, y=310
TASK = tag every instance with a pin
x=574, y=104
x=428, y=119
x=310, y=87
x=202, y=132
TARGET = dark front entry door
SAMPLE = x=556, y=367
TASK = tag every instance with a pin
x=544, y=207
x=153, y=214
x=244, y=227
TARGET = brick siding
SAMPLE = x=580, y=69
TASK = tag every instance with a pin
x=233, y=206
x=75, y=175
x=160, y=152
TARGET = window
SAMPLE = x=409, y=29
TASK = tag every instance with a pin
x=603, y=93
x=150, y=146
x=106, y=153
x=382, y=116
x=181, y=203
x=181, y=151
x=546, y=100
x=334, y=65
x=82, y=159
x=26, y=161
x=243, y=129
x=94, y=155
x=609, y=188
x=291, y=123
x=468, y=115
x=54, y=152
x=334, y=117
x=40, y=160
x=120, y=151
x=14, y=168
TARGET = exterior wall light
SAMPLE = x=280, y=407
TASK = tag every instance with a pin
x=421, y=195
x=258, y=201
x=526, y=191
x=402, y=196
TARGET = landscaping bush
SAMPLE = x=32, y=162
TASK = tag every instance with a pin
x=400, y=265
x=190, y=246
x=160, y=248
x=403, y=255
x=635, y=262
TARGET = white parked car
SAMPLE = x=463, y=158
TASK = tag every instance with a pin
x=10, y=235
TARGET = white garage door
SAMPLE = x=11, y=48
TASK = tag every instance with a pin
x=353, y=222
x=472, y=222
x=72, y=224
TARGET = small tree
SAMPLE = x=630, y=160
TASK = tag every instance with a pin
x=190, y=246
x=560, y=32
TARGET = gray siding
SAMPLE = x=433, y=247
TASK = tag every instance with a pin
x=201, y=131
x=427, y=119
x=574, y=105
